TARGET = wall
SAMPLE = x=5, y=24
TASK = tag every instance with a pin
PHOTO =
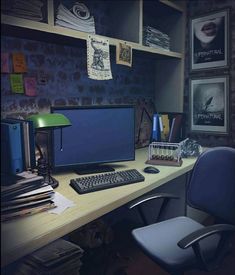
x=195, y=8
x=67, y=81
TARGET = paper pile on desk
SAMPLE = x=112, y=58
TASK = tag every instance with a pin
x=26, y=197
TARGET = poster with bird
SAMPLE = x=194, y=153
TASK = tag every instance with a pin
x=209, y=104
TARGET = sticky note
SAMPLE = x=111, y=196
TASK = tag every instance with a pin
x=19, y=63
x=5, y=68
x=30, y=86
x=16, y=81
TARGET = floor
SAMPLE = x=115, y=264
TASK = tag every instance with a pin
x=122, y=257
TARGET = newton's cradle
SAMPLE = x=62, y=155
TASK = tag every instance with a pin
x=164, y=153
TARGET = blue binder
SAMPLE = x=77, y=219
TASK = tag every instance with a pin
x=28, y=141
x=11, y=143
x=155, y=129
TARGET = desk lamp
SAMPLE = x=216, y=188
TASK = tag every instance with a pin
x=47, y=123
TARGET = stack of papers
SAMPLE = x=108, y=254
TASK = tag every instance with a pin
x=27, y=196
x=31, y=10
x=77, y=18
x=59, y=257
x=155, y=38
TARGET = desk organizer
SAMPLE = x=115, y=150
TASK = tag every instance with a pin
x=164, y=153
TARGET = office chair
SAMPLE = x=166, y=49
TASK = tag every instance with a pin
x=180, y=243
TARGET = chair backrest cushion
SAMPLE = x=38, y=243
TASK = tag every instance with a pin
x=211, y=187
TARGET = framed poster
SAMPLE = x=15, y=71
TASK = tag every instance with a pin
x=209, y=40
x=209, y=104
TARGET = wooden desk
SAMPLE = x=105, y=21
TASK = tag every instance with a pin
x=23, y=236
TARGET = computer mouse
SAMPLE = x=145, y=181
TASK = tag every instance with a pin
x=151, y=170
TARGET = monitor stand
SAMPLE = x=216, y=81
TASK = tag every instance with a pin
x=93, y=169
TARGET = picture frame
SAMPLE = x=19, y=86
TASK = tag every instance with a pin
x=209, y=40
x=209, y=105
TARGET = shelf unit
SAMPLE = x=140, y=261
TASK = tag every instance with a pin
x=124, y=23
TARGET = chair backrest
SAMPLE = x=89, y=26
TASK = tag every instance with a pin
x=211, y=187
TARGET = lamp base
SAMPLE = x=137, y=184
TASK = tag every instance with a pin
x=52, y=181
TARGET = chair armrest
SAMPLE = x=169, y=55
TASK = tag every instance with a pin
x=220, y=251
x=204, y=232
x=146, y=198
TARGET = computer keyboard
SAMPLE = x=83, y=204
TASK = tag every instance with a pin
x=93, y=183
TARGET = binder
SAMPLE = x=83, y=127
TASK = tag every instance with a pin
x=28, y=141
x=11, y=143
x=164, y=127
x=175, y=130
x=155, y=129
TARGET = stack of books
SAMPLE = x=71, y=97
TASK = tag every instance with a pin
x=155, y=38
x=60, y=257
x=29, y=195
x=77, y=18
x=31, y=10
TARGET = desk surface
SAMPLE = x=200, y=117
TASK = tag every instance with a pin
x=23, y=236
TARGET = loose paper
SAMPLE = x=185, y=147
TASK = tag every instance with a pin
x=30, y=86
x=5, y=68
x=62, y=204
x=17, y=83
x=19, y=63
x=124, y=54
x=98, y=58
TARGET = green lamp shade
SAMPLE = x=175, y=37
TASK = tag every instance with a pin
x=51, y=120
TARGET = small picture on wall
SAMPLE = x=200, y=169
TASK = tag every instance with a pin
x=209, y=105
x=124, y=54
x=209, y=41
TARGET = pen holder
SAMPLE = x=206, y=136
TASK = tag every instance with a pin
x=164, y=153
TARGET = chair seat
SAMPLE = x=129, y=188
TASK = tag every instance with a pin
x=159, y=241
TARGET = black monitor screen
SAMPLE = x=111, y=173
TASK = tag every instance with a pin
x=99, y=134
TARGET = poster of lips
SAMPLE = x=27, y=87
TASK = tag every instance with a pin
x=209, y=40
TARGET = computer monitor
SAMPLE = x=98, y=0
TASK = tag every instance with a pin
x=98, y=135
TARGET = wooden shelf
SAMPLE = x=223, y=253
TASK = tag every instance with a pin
x=38, y=26
x=177, y=5
x=50, y=28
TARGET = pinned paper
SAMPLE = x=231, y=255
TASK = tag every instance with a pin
x=30, y=86
x=19, y=63
x=98, y=58
x=42, y=78
x=5, y=68
x=124, y=54
x=17, y=83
